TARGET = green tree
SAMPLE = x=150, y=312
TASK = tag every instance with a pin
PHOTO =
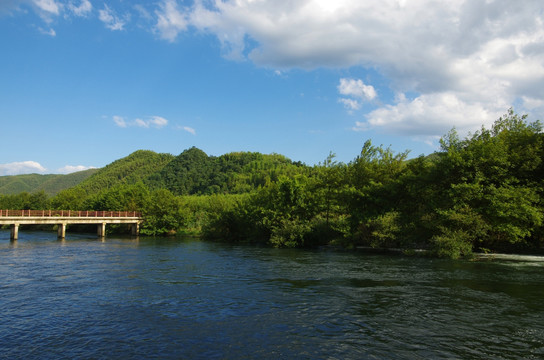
x=122, y=198
x=70, y=199
x=491, y=191
x=374, y=178
x=162, y=213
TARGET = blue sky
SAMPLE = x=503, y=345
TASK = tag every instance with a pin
x=86, y=82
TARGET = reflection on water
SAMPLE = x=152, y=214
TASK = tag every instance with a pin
x=165, y=298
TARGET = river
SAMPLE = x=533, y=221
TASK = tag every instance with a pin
x=162, y=298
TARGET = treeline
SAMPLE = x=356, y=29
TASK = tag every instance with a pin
x=481, y=193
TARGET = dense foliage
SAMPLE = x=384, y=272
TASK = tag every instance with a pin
x=480, y=193
x=126, y=171
x=195, y=173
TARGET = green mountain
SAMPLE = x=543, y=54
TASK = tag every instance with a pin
x=131, y=169
x=194, y=172
x=187, y=173
x=191, y=172
x=51, y=184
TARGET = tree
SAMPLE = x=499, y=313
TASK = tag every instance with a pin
x=491, y=187
x=162, y=213
x=373, y=188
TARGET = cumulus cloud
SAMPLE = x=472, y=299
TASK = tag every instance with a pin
x=474, y=57
x=471, y=56
x=429, y=115
x=350, y=104
x=170, y=20
x=48, y=6
x=83, y=9
x=23, y=167
x=532, y=103
x=356, y=91
x=153, y=121
x=48, y=10
x=356, y=88
x=111, y=19
x=68, y=169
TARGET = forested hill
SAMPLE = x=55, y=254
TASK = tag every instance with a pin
x=131, y=169
x=191, y=172
x=194, y=172
x=51, y=184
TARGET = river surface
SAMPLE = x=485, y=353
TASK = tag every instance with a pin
x=160, y=298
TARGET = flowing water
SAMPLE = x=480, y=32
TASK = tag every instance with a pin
x=159, y=298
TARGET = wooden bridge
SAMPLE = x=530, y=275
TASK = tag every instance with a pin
x=62, y=218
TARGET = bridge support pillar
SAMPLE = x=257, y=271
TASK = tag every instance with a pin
x=101, y=230
x=61, y=231
x=14, y=232
x=135, y=229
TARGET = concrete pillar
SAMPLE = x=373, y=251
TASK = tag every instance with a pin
x=61, y=231
x=14, y=232
x=101, y=230
x=135, y=229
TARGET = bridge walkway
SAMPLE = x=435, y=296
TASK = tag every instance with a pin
x=63, y=218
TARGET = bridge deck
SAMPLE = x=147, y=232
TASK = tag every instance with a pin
x=68, y=213
x=62, y=218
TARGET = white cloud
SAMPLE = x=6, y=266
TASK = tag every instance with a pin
x=532, y=103
x=68, y=169
x=189, y=130
x=143, y=12
x=83, y=9
x=47, y=10
x=120, y=121
x=430, y=115
x=356, y=88
x=48, y=6
x=23, y=167
x=141, y=123
x=474, y=57
x=170, y=20
x=357, y=92
x=153, y=121
x=50, y=32
x=486, y=55
x=158, y=121
x=350, y=104
x=111, y=20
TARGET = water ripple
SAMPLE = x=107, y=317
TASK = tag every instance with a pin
x=164, y=298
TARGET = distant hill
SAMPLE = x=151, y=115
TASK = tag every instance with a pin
x=187, y=173
x=191, y=172
x=57, y=184
x=51, y=184
x=131, y=169
x=194, y=172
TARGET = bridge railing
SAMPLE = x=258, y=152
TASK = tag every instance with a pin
x=68, y=213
